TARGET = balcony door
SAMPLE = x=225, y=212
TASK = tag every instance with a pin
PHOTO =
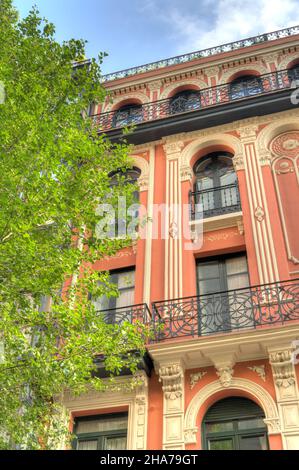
x=216, y=184
x=118, y=309
x=222, y=307
x=235, y=423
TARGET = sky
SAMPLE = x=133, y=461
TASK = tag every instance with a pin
x=135, y=32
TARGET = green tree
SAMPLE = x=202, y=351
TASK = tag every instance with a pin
x=54, y=171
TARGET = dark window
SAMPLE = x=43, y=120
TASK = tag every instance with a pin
x=188, y=100
x=235, y=423
x=245, y=86
x=119, y=226
x=114, y=308
x=293, y=73
x=221, y=306
x=216, y=187
x=128, y=115
x=106, y=432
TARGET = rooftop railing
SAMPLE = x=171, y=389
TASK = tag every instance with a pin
x=209, y=52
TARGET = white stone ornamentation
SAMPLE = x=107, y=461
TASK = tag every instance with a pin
x=171, y=377
x=260, y=370
x=225, y=375
x=194, y=378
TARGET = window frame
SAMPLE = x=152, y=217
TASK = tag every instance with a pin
x=99, y=436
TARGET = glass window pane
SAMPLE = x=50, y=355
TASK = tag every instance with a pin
x=102, y=424
x=209, y=286
x=208, y=270
x=251, y=423
x=253, y=443
x=115, y=443
x=126, y=298
x=236, y=265
x=219, y=427
x=126, y=279
x=221, y=444
x=87, y=445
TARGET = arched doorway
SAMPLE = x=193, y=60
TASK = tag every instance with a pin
x=234, y=423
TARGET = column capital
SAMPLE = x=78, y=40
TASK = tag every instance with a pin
x=173, y=149
x=238, y=161
x=248, y=134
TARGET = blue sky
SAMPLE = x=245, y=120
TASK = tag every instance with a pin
x=134, y=32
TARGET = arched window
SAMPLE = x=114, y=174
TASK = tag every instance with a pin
x=234, y=423
x=216, y=187
x=247, y=85
x=127, y=115
x=293, y=73
x=124, y=177
x=187, y=100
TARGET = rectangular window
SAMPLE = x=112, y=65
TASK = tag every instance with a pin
x=106, y=432
x=221, y=307
x=118, y=309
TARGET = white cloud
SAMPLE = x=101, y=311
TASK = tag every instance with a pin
x=209, y=23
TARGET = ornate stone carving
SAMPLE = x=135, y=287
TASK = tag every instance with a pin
x=286, y=144
x=225, y=375
x=283, y=368
x=248, y=133
x=265, y=157
x=273, y=425
x=173, y=230
x=155, y=85
x=238, y=162
x=190, y=435
x=171, y=376
x=259, y=214
x=260, y=370
x=194, y=378
x=173, y=149
x=143, y=183
x=186, y=173
x=211, y=71
x=240, y=225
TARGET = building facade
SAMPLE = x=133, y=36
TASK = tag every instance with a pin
x=216, y=132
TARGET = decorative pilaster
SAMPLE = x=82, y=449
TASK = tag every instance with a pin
x=172, y=378
x=173, y=220
x=141, y=411
x=260, y=220
x=287, y=395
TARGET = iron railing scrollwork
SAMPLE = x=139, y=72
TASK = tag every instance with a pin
x=222, y=312
x=131, y=314
x=214, y=201
x=205, y=98
x=211, y=51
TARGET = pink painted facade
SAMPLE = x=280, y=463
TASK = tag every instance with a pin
x=219, y=131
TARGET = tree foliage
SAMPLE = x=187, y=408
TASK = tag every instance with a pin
x=54, y=170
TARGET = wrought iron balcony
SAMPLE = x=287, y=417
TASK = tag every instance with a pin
x=211, y=51
x=222, y=312
x=206, y=98
x=130, y=313
x=214, y=201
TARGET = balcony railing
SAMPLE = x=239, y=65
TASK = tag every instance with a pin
x=214, y=201
x=222, y=312
x=130, y=313
x=206, y=98
x=211, y=51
